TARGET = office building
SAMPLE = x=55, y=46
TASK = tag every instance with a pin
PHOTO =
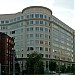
x=36, y=29
x=6, y=56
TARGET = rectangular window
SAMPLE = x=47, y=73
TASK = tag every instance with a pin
x=32, y=16
x=41, y=16
x=36, y=41
x=45, y=16
x=41, y=29
x=21, y=17
x=36, y=48
x=46, y=55
x=36, y=15
x=27, y=22
x=46, y=36
x=37, y=28
x=31, y=22
x=41, y=48
x=36, y=22
x=28, y=29
x=46, y=42
x=6, y=21
x=46, y=29
x=41, y=42
x=27, y=16
x=31, y=41
x=37, y=35
x=46, y=49
x=41, y=22
x=31, y=35
x=13, y=32
x=2, y=22
x=31, y=29
x=41, y=35
x=18, y=18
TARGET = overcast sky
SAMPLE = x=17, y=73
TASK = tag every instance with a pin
x=62, y=9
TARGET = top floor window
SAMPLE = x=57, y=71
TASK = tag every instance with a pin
x=41, y=16
x=2, y=22
x=36, y=15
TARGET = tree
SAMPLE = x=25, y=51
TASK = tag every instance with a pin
x=34, y=65
x=17, y=69
x=52, y=65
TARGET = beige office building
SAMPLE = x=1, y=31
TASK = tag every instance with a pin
x=36, y=29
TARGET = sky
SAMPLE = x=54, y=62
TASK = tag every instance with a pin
x=62, y=9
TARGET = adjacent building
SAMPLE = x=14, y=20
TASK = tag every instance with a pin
x=6, y=56
x=36, y=29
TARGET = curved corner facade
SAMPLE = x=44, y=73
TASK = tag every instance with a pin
x=36, y=29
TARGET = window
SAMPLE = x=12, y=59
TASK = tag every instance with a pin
x=31, y=41
x=41, y=22
x=14, y=19
x=46, y=49
x=49, y=18
x=30, y=48
x=32, y=16
x=13, y=32
x=27, y=22
x=31, y=29
x=21, y=17
x=22, y=55
x=46, y=36
x=28, y=29
x=41, y=48
x=21, y=30
x=42, y=55
x=41, y=16
x=49, y=30
x=45, y=16
x=37, y=35
x=2, y=22
x=41, y=35
x=18, y=18
x=37, y=28
x=36, y=15
x=6, y=21
x=46, y=29
x=36, y=48
x=27, y=16
x=41, y=29
x=49, y=43
x=27, y=35
x=36, y=22
x=41, y=42
x=36, y=41
x=46, y=42
x=31, y=35
x=31, y=22
x=46, y=55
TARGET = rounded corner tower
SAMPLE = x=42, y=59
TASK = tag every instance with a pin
x=38, y=9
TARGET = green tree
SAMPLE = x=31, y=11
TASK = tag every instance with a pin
x=52, y=65
x=34, y=65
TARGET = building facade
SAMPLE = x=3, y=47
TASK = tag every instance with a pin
x=6, y=56
x=36, y=29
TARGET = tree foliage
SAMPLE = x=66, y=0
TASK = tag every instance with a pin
x=52, y=65
x=34, y=65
